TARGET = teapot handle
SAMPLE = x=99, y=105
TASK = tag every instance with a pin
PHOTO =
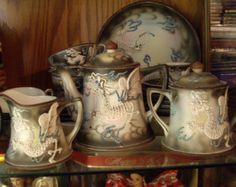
x=153, y=109
x=68, y=84
x=77, y=102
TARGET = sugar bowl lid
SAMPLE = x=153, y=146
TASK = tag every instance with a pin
x=197, y=79
x=112, y=57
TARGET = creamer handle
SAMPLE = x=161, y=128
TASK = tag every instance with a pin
x=77, y=102
x=166, y=93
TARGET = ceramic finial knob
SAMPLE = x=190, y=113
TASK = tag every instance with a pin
x=197, y=67
x=111, y=46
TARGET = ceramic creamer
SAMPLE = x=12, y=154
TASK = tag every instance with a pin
x=198, y=122
x=37, y=137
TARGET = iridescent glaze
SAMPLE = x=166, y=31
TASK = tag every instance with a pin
x=199, y=121
x=37, y=138
x=152, y=33
x=114, y=114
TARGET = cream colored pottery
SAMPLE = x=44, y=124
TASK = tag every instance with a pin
x=152, y=33
x=198, y=122
x=37, y=138
x=114, y=115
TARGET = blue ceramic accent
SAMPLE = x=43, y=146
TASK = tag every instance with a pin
x=152, y=33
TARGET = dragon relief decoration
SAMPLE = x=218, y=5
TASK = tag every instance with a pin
x=215, y=124
x=134, y=35
x=113, y=99
x=36, y=146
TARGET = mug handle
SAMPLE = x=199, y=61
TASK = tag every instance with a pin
x=77, y=102
x=153, y=109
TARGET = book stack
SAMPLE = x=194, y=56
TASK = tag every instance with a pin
x=216, y=10
x=222, y=31
x=223, y=59
x=223, y=64
x=229, y=13
x=223, y=19
x=223, y=45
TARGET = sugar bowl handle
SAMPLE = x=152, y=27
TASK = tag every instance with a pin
x=167, y=93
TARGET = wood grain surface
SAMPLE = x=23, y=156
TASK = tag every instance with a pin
x=31, y=30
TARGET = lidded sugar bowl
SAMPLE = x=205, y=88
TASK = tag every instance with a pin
x=198, y=122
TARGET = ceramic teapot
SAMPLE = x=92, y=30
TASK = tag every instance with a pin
x=198, y=122
x=37, y=137
x=114, y=114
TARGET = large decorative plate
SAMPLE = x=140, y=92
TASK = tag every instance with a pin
x=152, y=33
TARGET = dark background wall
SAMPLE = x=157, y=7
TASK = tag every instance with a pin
x=31, y=30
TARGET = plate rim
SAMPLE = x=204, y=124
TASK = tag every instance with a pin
x=138, y=4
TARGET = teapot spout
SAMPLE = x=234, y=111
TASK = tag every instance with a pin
x=68, y=84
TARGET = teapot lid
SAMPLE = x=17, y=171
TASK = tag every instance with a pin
x=112, y=57
x=198, y=79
